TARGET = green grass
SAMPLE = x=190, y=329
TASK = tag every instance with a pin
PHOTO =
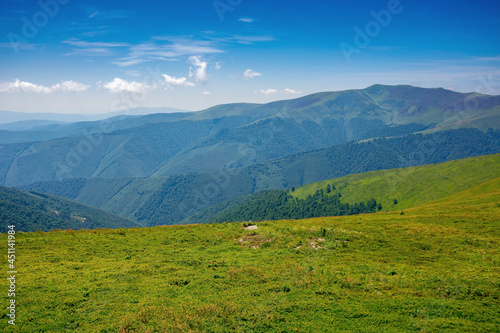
x=427, y=269
x=411, y=186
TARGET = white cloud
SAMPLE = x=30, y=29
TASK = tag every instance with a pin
x=70, y=86
x=207, y=93
x=65, y=86
x=269, y=91
x=246, y=19
x=250, y=74
x=199, y=71
x=181, y=81
x=286, y=91
x=118, y=86
x=217, y=66
x=19, y=85
x=291, y=91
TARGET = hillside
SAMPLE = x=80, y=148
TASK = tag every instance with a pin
x=432, y=268
x=235, y=135
x=33, y=211
x=158, y=200
x=358, y=193
x=411, y=186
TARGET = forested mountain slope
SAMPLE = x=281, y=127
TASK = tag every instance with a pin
x=168, y=200
x=33, y=211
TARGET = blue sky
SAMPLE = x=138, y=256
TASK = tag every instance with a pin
x=73, y=56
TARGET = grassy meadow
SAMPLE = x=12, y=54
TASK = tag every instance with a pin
x=432, y=268
x=410, y=186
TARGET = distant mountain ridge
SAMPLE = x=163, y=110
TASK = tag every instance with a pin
x=7, y=117
x=237, y=135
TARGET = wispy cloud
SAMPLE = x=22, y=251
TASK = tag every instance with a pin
x=158, y=48
x=252, y=39
x=128, y=61
x=207, y=93
x=497, y=58
x=81, y=43
x=65, y=86
x=250, y=74
x=167, y=49
x=84, y=48
x=101, y=14
x=91, y=52
x=246, y=19
x=18, y=46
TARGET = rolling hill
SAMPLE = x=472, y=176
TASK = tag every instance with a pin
x=433, y=268
x=410, y=187
x=34, y=211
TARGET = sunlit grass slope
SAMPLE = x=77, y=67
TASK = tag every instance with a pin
x=429, y=269
x=411, y=186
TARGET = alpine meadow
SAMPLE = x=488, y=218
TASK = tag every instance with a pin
x=250, y=166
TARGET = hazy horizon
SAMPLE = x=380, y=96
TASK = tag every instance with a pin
x=142, y=110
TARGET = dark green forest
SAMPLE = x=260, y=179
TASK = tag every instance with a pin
x=34, y=211
x=280, y=205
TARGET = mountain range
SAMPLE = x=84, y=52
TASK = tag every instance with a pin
x=162, y=168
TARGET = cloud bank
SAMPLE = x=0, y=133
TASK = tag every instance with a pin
x=65, y=86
